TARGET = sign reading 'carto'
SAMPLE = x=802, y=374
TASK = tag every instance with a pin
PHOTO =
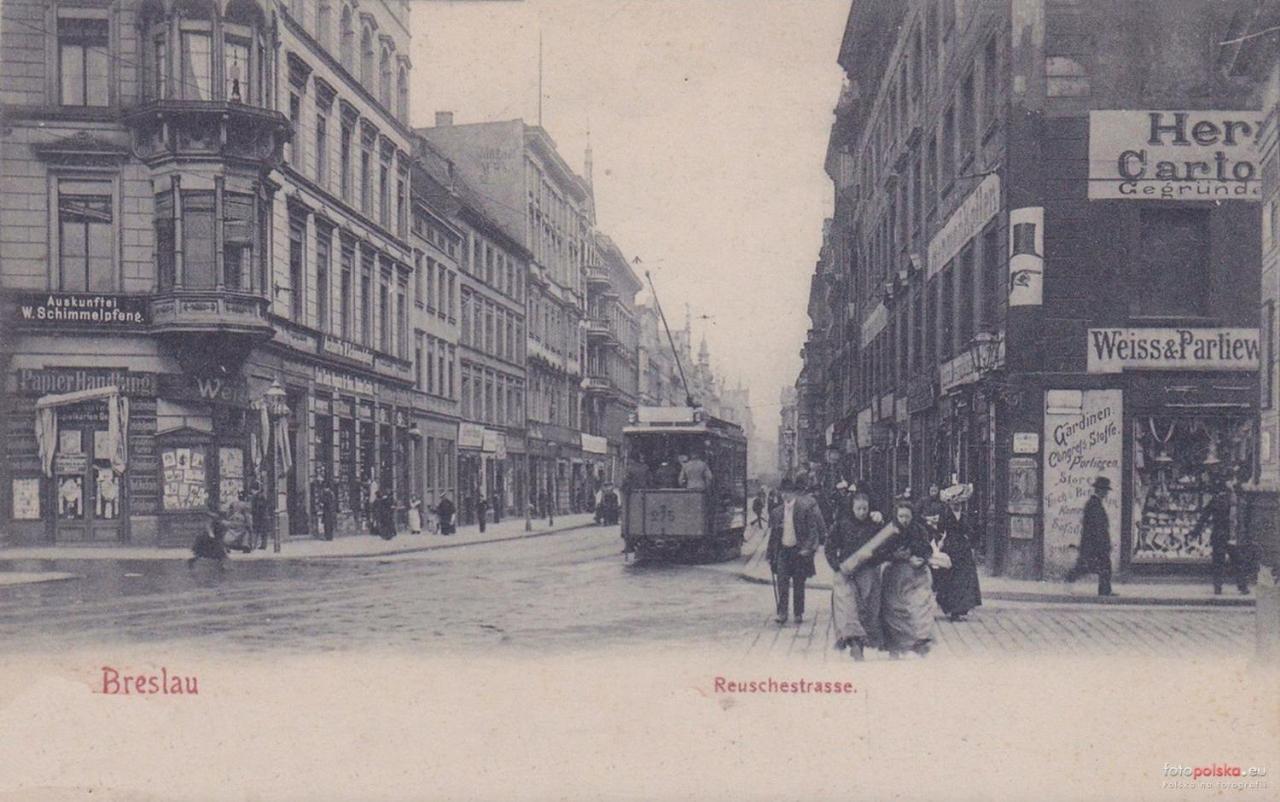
x=1174, y=155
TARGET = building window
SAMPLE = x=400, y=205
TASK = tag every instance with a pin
x=1170, y=273
x=322, y=150
x=384, y=316
x=947, y=156
x=323, y=13
x=366, y=180
x=294, y=155
x=402, y=320
x=990, y=81
x=85, y=237
x=366, y=297
x=453, y=297
x=323, y=246
x=931, y=322
x=159, y=67
x=83, y=68
x=384, y=194
x=198, y=264
x=344, y=161
x=384, y=79
x=366, y=58
x=968, y=120
x=237, y=240
x=346, y=41
x=1065, y=76
x=402, y=95
x=345, y=308
x=166, y=264
x=442, y=294
x=197, y=65
x=993, y=278
x=235, y=69
x=297, y=262
x=401, y=210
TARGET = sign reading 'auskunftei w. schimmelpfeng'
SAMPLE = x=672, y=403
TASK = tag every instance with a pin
x=1174, y=155
x=1115, y=350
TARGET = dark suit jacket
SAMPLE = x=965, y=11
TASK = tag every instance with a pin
x=810, y=528
x=1095, y=534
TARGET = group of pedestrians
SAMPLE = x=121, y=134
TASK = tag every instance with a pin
x=887, y=574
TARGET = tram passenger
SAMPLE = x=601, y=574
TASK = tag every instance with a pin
x=667, y=475
x=695, y=473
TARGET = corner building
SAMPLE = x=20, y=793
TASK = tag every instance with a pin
x=205, y=267
x=1044, y=262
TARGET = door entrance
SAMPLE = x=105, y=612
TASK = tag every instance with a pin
x=88, y=495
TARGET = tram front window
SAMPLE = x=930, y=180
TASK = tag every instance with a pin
x=662, y=459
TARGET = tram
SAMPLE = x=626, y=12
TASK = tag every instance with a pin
x=661, y=517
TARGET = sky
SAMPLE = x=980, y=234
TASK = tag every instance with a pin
x=708, y=122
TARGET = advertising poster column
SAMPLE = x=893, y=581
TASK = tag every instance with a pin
x=1082, y=440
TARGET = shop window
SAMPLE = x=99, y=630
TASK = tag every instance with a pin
x=85, y=236
x=198, y=264
x=184, y=478
x=1170, y=273
x=83, y=67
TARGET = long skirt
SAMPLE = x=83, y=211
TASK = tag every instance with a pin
x=855, y=606
x=957, y=586
x=906, y=607
x=415, y=520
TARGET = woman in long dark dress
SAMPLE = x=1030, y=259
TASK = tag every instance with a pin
x=957, y=587
x=906, y=609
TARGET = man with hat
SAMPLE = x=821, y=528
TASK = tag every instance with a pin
x=1095, y=540
x=796, y=531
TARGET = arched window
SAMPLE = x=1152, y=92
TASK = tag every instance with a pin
x=347, y=42
x=402, y=95
x=384, y=78
x=323, y=13
x=366, y=57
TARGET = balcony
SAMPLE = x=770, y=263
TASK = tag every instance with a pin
x=210, y=312
x=167, y=129
x=598, y=386
x=598, y=278
x=600, y=330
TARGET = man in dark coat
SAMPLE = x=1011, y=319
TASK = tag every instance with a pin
x=1095, y=540
x=796, y=532
x=1228, y=558
x=444, y=512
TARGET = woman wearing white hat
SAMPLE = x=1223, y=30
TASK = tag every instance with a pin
x=956, y=585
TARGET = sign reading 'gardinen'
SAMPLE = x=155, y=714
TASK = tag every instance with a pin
x=1115, y=350
x=1174, y=155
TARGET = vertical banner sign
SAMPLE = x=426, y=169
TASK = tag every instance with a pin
x=1026, y=256
x=1082, y=441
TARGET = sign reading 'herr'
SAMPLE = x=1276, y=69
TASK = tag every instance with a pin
x=1174, y=155
x=1115, y=350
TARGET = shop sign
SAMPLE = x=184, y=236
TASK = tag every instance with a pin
x=1026, y=443
x=965, y=223
x=1115, y=350
x=341, y=380
x=232, y=390
x=343, y=408
x=491, y=441
x=470, y=435
x=56, y=381
x=70, y=463
x=345, y=349
x=1174, y=155
x=874, y=324
x=920, y=393
x=594, y=444
x=499, y=446
x=365, y=412
x=60, y=308
x=1081, y=443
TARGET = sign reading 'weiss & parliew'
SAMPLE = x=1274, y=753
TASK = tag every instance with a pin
x=1174, y=155
x=1115, y=350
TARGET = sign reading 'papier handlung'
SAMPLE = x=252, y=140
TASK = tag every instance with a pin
x=1116, y=350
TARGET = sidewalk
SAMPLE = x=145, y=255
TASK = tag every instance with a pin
x=755, y=568
x=343, y=546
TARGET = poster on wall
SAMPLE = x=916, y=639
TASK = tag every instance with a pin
x=1026, y=256
x=26, y=499
x=1024, y=485
x=1083, y=439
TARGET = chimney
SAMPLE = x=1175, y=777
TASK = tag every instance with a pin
x=444, y=119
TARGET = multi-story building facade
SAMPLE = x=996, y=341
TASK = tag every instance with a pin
x=1024, y=211
x=529, y=190
x=610, y=382
x=492, y=344
x=660, y=383
x=1263, y=491
x=205, y=215
x=788, y=426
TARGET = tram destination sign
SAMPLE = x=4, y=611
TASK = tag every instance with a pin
x=1116, y=350
x=75, y=309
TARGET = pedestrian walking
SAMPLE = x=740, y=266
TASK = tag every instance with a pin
x=906, y=603
x=415, y=516
x=757, y=509
x=1229, y=558
x=482, y=510
x=497, y=507
x=1094, y=555
x=855, y=595
x=956, y=585
x=444, y=513
x=260, y=515
x=796, y=532
x=329, y=510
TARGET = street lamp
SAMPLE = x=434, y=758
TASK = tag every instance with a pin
x=276, y=402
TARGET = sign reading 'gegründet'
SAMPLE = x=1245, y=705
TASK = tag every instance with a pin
x=1115, y=350
x=1174, y=155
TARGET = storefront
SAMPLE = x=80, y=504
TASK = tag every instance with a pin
x=471, y=476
